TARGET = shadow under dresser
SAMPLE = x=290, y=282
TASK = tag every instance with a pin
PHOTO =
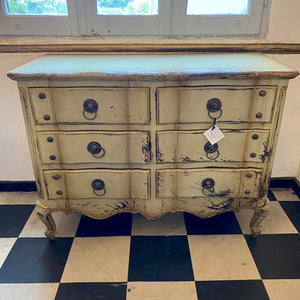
x=128, y=133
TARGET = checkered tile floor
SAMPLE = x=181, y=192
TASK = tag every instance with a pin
x=127, y=257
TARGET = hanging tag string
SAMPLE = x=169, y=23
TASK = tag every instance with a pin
x=214, y=125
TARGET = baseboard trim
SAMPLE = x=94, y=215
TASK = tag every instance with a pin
x=30, y=186
x=17, y=186
x=286, y=182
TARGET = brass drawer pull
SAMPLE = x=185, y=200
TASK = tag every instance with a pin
x=212, y=151
x=214, y=106
x=96, y=149
x=208, y=186
x=98, y=185
x=90, y=107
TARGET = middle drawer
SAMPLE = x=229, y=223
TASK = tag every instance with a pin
x=94, y=146
x=188, y=146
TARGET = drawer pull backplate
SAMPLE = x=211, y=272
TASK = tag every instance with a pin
x=96, y=149
x=90, y=106
x=208, y=186
x=212, y=151
x=98, y=186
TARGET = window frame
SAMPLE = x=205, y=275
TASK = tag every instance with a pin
x=171, y=21
x=253, y=24
x=36, y=25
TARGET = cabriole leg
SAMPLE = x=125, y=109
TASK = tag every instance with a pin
x=45, y=216
x=260, y=213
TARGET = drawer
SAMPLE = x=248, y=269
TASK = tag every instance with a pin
x=226, y=103
x=221, y=182
x=113, y=184
x=94, y=146
x=90, y=105
x=192, y=146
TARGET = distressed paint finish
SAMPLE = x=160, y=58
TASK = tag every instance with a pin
x=44, y=214
x=76, y=184
x=188, y=183
x=172, y=66
x=72, y=147
x=115, y=105
x=189, y=146
x=150, y=115
x=239, y=104
x=143, y=46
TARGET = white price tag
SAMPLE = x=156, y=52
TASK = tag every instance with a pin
x=214, y=135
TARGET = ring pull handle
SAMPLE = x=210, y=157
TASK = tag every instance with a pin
x=208, y=186
x=90, y=107
x=212, y=151
x=98, y=186
x=96, y=149
x=214, y=108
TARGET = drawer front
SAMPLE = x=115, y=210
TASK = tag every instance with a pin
x=90, y=105
x=192, y=146
x=94, y=146
x=188, y=183
x=227, y=104
x=114, y=184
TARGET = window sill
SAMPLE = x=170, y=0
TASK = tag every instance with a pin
x=150, y=44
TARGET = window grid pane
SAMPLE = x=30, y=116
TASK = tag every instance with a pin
x=36, y=7
x=127, y=7
x=218, y=7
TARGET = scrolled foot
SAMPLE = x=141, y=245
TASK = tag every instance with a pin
x=260, y=213
x=45, y=216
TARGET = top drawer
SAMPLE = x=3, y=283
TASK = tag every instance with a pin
x=226, y=103
x=90, y=105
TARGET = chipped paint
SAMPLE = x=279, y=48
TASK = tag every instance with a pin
x=225, y=205
x=146, y=149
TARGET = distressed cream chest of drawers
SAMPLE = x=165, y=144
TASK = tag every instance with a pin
x=124, y=133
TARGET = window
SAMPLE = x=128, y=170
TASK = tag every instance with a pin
x=134, y=17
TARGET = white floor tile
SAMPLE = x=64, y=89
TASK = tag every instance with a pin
x=276, y=222
x=18, y=197
x=161, y=291
x=35, y=291
x=279, y=289
x=98, y=259
x=66, y=225
x=5, y=246
x=221, y=257
x=282, y=194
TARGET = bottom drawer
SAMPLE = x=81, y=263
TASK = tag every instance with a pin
x=188, y=183
x=114, y=184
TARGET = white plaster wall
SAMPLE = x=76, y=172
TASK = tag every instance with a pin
x=284, y=21
x=287, y=158
x=284, y=27
x=15, y=162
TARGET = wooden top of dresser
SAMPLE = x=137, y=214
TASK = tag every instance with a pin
x=154, y=66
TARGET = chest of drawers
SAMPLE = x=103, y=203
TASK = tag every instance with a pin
x=124, y=133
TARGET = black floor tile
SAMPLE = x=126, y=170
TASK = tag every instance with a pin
x=277, y=256
x=13, y=219
x=160, y=258
x=115, y=225
x=271, y=196
x=91, y=291
x=225, y=223
x=231, y=290
x=33, y=260
x=292, y=209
